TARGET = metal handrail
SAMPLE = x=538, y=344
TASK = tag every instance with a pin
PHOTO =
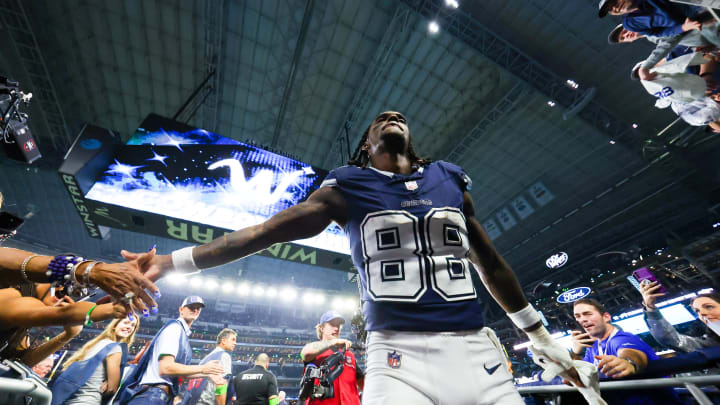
x=628, y=384
x=29, y=388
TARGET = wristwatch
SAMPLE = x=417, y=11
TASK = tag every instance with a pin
x=632, y=363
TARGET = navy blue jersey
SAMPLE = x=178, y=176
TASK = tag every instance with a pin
x=409, y=242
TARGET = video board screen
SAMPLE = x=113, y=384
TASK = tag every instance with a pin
x=675, y=314
x=187, y=173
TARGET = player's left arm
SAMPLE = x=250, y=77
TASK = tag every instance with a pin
x=496, y=274
x=503, y=285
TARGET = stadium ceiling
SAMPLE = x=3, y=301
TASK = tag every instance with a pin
x=293, y=74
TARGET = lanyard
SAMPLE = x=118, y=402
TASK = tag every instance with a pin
x=602, y=352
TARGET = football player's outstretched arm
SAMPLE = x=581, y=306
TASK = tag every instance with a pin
x=300, y=221
x=495, y=273
x=503, y=285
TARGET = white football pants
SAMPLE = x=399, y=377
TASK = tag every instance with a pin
x=437, y=368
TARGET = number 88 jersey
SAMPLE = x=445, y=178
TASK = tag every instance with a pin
x=409, y=242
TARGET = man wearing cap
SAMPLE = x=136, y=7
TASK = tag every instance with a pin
x=346, y=384
x=155, y=381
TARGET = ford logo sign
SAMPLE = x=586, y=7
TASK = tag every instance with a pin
x=573, y=295
x=557, y=260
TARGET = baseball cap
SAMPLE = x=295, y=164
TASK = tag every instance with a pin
x=330, y=315
x=614, y=35
x=603, y=8
x=193, y=299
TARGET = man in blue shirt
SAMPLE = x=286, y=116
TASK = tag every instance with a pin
x=616, y=354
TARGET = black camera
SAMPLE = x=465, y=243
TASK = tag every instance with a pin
x=14, y=130
x=317, y=382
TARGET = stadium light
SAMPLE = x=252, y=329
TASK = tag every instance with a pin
x=288, y=294
x=452, y=3
x=243, y=289
x=258, y=291
x=338, y=303
x=197, y=282
x=211, y=284
x=228, y=286
x=319, y=298
x=175, y=278
x=350, y=303
x=433, y=27
x=271, y=292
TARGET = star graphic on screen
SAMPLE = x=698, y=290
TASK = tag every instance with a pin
x=159, y=158
x=174, y=142
x=121, y=168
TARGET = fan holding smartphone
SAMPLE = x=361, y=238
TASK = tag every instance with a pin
x=706, y=306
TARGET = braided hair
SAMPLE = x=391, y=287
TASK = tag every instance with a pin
x=361, y=157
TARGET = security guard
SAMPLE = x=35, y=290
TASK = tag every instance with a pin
x=257, y=386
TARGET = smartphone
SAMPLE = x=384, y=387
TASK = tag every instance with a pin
x=644, y=276
x=9, y=222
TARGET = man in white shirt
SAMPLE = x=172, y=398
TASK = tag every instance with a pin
x=155, y=381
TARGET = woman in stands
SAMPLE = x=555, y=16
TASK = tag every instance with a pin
x=706, y=306
x=94, y=372
x=117, y=279
x=29, y=305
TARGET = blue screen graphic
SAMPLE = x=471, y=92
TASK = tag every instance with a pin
x=199, y=176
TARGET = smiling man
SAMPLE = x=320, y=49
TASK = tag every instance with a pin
x=616, y=353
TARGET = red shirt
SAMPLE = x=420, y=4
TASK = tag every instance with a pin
x=345, y=386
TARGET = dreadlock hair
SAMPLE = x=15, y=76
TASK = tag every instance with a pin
x=361, y=157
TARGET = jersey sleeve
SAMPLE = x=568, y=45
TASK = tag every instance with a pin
x=330, y=180
x=461, y=177
x=169, y=340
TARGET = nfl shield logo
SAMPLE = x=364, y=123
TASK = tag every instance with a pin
x=411, y=185
x=394, y=359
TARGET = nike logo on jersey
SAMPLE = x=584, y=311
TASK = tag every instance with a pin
x=492, y=369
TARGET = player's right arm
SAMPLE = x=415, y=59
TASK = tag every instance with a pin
x=300, y=221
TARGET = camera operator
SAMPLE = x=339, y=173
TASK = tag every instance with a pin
x=345, y=386
x=706, y=306
x=123, y=281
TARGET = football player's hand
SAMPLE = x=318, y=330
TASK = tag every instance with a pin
x=615, y=367
x=556, y=361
